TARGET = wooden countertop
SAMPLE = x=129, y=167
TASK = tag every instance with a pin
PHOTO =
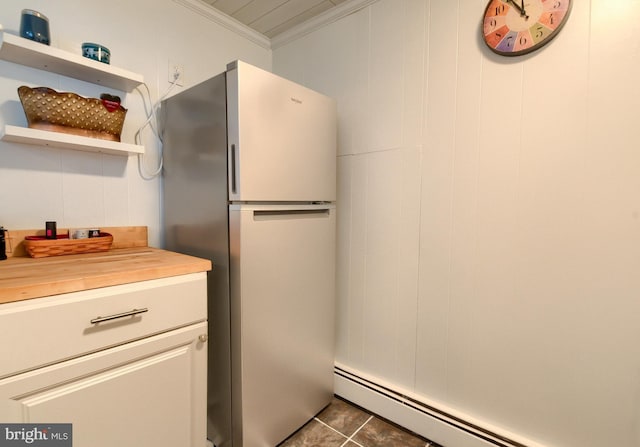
x=24, y=278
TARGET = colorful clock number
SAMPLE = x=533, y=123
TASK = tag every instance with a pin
x=524, y=41
x=508, y=43
x=540, y=32
x=493, y=24
x=552, y=19
x=497, y=36
x=556, y=5
x=498, y=7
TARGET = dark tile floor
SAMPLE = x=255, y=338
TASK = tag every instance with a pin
x=343, y=424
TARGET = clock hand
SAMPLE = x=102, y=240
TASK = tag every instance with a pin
x=523, y=13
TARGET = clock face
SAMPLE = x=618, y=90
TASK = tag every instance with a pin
x=516, y=27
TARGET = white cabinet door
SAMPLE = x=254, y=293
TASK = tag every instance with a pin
x=148, y=393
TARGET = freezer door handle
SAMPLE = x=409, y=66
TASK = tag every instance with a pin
x=274, y=214
x=233, y=169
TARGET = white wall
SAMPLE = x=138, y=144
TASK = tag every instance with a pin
x=79, y=189
x=489, y=213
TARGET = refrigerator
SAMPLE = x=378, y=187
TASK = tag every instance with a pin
x=249, y=181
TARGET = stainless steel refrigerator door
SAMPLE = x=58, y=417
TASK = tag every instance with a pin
x=281, y=139
x=282, y=306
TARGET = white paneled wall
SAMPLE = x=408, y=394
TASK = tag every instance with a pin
x=79, y=189
x=379, y=142
x=489, y=213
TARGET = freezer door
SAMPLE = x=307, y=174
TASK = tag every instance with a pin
x=282, y=304
x=281, y=138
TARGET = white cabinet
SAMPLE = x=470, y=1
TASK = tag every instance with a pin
x=136, y=379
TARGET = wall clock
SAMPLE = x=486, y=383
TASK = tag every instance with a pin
x=516, y=27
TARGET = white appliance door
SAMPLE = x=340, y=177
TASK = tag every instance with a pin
x=282, y=308
x=281, y=139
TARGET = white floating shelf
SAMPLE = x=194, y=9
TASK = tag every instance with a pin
x=44, y=57
x=26, y=135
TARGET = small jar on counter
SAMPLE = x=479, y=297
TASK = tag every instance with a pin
x=3, y=245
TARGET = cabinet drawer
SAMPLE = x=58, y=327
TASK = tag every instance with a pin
x=61, y=327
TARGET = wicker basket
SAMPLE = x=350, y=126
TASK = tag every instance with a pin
x=40, y=247
x=47, y=109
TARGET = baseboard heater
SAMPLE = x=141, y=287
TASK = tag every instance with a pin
x=424, y=419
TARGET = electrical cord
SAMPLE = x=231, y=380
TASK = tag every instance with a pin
x=151, y=117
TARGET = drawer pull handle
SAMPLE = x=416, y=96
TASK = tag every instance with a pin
x=121, y=315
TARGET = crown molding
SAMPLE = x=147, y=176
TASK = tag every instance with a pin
x=226, y=21
x=321, y=20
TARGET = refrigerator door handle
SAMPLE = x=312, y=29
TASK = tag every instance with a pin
x=274, y=214
x=233, y=169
